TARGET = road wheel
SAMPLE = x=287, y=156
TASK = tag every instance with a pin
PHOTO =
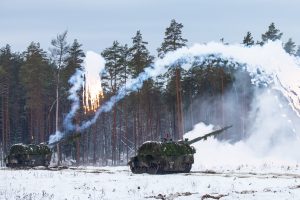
x=187, y=168
x=153, y=169
x=137, y=169
x=46, y=163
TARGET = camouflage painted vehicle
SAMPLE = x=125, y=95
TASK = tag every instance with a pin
x=167, y=156
x=21, y=155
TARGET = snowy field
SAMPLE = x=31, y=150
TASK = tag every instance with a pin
x=265, y=182
x=221, y=171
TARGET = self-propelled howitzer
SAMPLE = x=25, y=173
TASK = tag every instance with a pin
x=32, y=155
x=168, y=156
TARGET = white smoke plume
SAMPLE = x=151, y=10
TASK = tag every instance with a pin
x=76, y=81
x=263, y=149
x=57, y=136
x=268, y=65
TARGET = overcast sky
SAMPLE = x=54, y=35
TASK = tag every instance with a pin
x=97, y=23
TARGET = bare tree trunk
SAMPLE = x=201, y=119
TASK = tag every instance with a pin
x=87, y=144
x=2, y=123
x=104, y=138
x=243, y=116
x=31, y=130
x=120, y=133
x=83, y=148
x=191, y=110
x=78, y=151
x=114, y=136
x=222, y=97
x=150, y=121
x=158, y=123
x=41, y=125
x=135, y=131
x=138, y=133
x=7, y=121
x=59, y=49
x=179, y=105
x=94, y=143
x=1, y=154
x=126, y=132
x=56, y=118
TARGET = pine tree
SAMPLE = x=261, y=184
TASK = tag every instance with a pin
x=115, y=57
x=290, y=46
x=112, y=79
x=36, y=76
x=59, y=52
x=4, y=109
x=11, y=63
x=248, y=40
x=173, y=40
x=139, y=56
x=5, y=56
x=73, y=61
x=139, y=59
x=272, y=34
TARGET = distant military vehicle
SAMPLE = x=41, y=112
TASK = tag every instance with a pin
x=167, y=156
x=21, y=155
x=31, y=155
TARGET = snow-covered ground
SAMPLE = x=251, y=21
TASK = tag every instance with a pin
x=221, y=171
x=119, y=183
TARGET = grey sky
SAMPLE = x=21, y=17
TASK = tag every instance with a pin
x=96, y=23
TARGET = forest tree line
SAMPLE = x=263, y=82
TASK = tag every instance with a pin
x=34, y=89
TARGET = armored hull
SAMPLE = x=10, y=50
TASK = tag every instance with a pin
x=21, y=155
x=163, y=157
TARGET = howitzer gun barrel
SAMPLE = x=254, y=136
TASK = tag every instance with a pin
x=65, y=138
x=52, y=145
x=204, y=137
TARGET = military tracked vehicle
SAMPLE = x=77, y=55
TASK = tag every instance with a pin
x=32, y=155
x=21, y=155
x=167, y=156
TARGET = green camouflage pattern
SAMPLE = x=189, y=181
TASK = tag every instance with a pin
x=168, y=148
x=163, y=157
x=21, y=155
